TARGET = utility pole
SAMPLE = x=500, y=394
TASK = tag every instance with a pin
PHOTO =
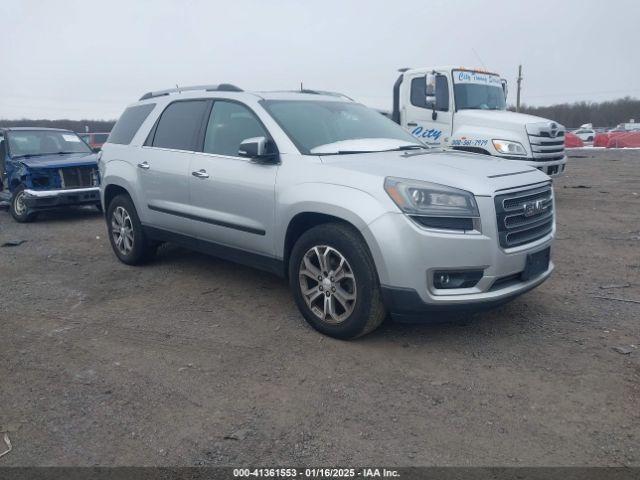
x=519, y=82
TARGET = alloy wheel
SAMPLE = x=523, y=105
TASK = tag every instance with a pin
x=328, y=284
x=122, y=230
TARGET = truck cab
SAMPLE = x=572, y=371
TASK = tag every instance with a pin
x=466, y=109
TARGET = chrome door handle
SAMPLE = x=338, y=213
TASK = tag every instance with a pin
x=144, y=165
x=200, y=174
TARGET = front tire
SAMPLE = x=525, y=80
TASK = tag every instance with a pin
x=19, y=211
x=126, y=235
x=334, y=282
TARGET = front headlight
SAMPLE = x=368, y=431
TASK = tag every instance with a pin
x=430, y=199
x=507, y=147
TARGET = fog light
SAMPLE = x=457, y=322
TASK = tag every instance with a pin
x=445, y=279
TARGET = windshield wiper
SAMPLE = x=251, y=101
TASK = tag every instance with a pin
x=408, y=147
x=355, y=152
x=29, y=155
x=351, y=152
x=348, y=152
x=67, y=153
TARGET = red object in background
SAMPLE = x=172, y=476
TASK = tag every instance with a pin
x=572, y=141
x=624, y=140
x=601, y=140
x=94, y=140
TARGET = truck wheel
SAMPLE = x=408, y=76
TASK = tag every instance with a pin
x=18, y=209
x=127, y=238
x=334, y=282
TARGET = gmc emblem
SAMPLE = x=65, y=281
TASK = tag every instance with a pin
x=533, y=208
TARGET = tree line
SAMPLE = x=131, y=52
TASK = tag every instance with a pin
x=75, y=125
x=572, y=115
x=600, y=114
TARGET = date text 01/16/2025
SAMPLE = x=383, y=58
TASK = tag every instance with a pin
x=316, y=472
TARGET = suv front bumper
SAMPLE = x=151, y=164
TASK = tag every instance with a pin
x=407, y=255
x=45, y=199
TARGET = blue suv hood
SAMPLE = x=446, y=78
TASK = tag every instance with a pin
x=60, y=161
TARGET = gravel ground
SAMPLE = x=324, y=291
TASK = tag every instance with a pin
x=195, y=361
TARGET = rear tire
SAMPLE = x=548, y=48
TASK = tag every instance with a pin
x=128, y=240
x=334, y=282
x=18, y=209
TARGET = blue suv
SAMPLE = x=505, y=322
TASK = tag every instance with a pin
x=46, y=168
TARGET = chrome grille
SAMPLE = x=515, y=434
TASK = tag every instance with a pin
x=79, y=177
x=547, y=144
x=524, y=216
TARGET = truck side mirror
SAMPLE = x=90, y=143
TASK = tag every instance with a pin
x=431, y=91
x=431, y=103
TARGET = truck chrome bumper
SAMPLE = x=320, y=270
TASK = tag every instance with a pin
x=57, y=193
x=43, y=199
x=554, y=168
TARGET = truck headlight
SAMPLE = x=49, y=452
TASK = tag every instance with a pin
x=509, y=148
x=430, y=199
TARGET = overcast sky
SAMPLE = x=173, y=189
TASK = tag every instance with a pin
x=89, y=59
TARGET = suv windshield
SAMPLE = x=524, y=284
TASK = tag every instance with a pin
x=326, y=127
x=44, y=142
x=478, y=91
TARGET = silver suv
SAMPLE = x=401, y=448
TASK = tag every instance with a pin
x=361, y=218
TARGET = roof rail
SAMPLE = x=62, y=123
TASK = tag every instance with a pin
x=324, y=92
x=222, y=87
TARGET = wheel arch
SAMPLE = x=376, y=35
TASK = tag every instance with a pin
x=305, y=221
x=111, y=191
x=323, y=203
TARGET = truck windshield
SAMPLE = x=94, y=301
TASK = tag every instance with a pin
x=478, y=91
x=24, y=143
x=326, y=127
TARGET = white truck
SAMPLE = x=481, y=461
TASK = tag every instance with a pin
x=465, y=109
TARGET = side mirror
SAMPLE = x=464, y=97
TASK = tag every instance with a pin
x=430, y=100
x=431, y=103
x=259, y=149
x=96, y=149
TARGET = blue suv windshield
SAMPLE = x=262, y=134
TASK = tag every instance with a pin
x=44, y=142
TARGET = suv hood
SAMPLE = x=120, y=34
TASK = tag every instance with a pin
x=59, y=161
x=500, y=119
x=479, y=174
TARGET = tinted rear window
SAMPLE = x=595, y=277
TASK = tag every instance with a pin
x=129, y=123
x=180, y=125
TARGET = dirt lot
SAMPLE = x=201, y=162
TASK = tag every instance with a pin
x=195, y=361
